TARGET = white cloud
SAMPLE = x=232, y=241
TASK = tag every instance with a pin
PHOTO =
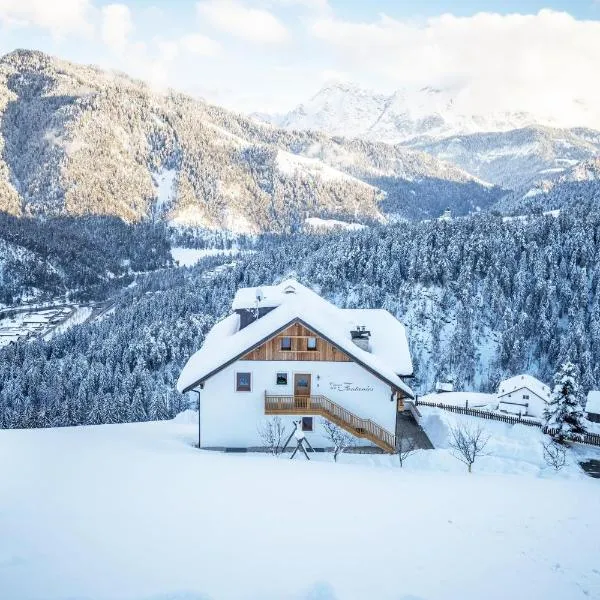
x=168, y=50
x=117, y=25
x=60, y=18
x=319, y=6
x=546, y=62
x=250, y=24
x=200, y=45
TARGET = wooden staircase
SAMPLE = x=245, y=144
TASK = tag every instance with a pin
x=322, y=406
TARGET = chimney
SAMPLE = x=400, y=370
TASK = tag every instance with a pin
x=360, y=337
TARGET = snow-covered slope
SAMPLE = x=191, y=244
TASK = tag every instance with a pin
x=514, y=159
x=77, y=140
x=338, y=109
x=135, y=512
x=407, y=114
x=510, y=149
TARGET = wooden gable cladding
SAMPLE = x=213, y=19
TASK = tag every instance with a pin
x=298, y=334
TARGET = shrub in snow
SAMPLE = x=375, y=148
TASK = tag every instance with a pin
x=405, y=446
x=272, y=433
x=564, y=413
x=555, y=455
x=467, y=443
x=339, y=438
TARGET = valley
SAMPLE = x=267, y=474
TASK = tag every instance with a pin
x=182, y=183
x=299, y=300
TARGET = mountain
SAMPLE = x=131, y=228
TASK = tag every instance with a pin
x=402, y=117
x=78, y=140
x=578, y=186
x=517, y=158
x=508, y=149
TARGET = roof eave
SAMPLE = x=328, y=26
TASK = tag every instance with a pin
x=409, y=393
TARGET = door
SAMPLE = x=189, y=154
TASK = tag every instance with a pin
x=301, y=390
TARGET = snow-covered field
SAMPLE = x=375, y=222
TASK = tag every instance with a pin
x=188, y=257
x=327, y=224
x=464, y=399
x=134, y=512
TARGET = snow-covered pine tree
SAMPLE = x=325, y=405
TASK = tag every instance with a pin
x=564, y=412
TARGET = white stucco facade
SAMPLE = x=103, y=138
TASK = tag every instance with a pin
x=230, y=419
x=523, y=401
x=523, y=394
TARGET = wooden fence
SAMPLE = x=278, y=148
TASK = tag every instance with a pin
x=593, y=439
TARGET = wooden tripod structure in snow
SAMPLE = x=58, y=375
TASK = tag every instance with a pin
x=301, y=441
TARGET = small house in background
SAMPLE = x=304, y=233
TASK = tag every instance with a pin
x=523, y=394
x=444, y=387
x=592, y=406
x=446, y=215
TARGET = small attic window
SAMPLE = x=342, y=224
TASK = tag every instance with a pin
x=286, y=343
x=289, y=289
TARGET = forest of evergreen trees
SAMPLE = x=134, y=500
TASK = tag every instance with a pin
x=81, y=257
x=482, y=298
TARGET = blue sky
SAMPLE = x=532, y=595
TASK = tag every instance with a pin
x=272, y=54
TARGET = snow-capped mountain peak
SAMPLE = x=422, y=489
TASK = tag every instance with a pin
x=406, y=115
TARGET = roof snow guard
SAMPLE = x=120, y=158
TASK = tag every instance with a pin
x=388, y=358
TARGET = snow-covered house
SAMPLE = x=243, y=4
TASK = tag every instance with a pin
x=286, y=351
x=592, y=406
x=442, y=387
x=523, y=394
x=446, y=215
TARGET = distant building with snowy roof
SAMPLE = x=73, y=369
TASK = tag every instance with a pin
x=523, y=394
x=446, y=215
x=444, y=387
x=592, y=406
x=286, y=351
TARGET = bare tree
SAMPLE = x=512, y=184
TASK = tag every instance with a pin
x=272, y=433
x=467, y=443
x=555, y=455
x=339, y=438
x=405, y=446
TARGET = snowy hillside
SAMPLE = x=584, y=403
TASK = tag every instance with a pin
x=510, y=150
x=50, y=258
x=135, y=512
x=77, y=140
x=406, y=115
x=514, y=159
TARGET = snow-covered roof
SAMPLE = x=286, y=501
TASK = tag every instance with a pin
x=508, y=386
x=264, y=296
x=592, y=404
x=444, y=386
x=388, y=337
x=388, y=357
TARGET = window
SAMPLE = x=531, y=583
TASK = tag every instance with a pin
x=307, y=423
x=282, y=378
x=311, y=343
x=242, y=382
x=286, y=343
x=525, y=396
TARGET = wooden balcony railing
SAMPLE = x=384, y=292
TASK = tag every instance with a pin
x=322, y=406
